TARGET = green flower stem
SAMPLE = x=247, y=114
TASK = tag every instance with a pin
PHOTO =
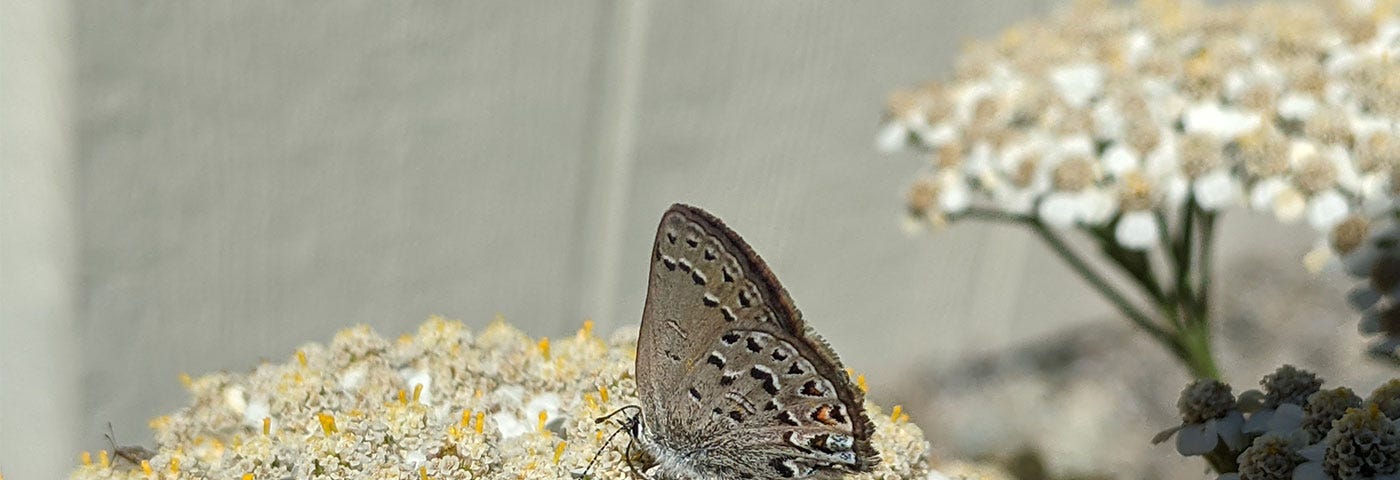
x=1195, y=344
x=1182, y=323
x=1204, y=274
x=1222, y=460
x=1136, y=264
x=1097, y=280
x=1182, y=248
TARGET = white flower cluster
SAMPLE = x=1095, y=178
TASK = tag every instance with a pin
x=445, y=404
x=1292, y=429
x=1112, y=118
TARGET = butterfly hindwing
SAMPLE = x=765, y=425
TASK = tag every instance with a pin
x=731, y=380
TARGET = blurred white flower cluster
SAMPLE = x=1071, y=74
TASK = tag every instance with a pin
x=442, y=404
x=1291, y=429
x=1113, y=117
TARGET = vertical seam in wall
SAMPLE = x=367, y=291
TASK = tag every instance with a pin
x=609, y=156
x=40, y=356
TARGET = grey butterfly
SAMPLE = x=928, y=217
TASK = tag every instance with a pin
x=732, y=383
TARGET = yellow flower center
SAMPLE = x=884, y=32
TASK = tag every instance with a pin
x=1350, y=234
x=1075, y=174
x=1315, y=174
x=1199, y=154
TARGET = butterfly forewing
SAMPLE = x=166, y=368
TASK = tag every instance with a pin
x=732, y=383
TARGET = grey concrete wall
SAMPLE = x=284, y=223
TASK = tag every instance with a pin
x=238, y=178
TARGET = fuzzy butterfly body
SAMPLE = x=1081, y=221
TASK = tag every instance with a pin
x=731, y=381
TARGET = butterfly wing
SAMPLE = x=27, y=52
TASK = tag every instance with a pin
x=732, y=381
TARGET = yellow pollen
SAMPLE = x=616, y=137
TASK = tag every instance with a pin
x=598, y=435
x=87, y=458
x=588, y=398
x=480, y=421
x=247, y=476
x=103, y=459
x=544, y=347
x=1136, y=193
x=146, y=468
x=403, y=397
x=896, y=412
x=174, y=464
x=267, y=425
x=417, y=392
x=467, y=417
x=477, y=393
x=860, y=382
x=327, y=422
x=544, y=416
x=423, y=473
x=159, y=423
x=301, y=358
x=603, y=393
x=587, y=330
x=186, y=380
x=559, y=451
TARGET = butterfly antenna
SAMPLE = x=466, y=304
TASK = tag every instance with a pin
x=620, y=429
x=605, y=418
x=600, y=451
x=111, y=436
x=630, y=466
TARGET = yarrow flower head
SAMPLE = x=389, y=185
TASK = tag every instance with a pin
x=1279, y=407
x=442, y=404
x=1270, y=457
x=1112, y=118
x=1335, y=435
x=1387, y=399
x=1363, y=444
x=1209, y=418
x=1325, y=407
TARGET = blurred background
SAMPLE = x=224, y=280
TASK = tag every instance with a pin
x=200, y=187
